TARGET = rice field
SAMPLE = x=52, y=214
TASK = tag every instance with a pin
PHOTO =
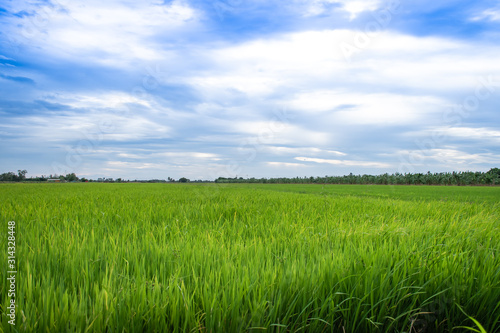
x=252, y=258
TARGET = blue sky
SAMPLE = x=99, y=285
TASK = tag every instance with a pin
x=203, y=89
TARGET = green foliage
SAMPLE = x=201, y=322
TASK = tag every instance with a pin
x=21, y=174
x=71, y=177
x=117, y=257
x=495, y=172
x=9, y=177
x=12, y=177
x=480, y=328
x=491, y=177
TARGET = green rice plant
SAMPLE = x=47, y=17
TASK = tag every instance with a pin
x=480, y=327
x=252, y=258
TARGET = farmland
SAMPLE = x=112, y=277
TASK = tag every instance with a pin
x=252, y=257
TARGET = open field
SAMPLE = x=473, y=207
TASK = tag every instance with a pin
x=252, y=257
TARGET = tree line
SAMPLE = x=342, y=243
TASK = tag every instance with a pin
x=492, y=177
x=12, y=177
x=72, y=177
x=21, y=177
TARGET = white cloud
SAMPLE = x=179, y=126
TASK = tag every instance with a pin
x=109, y=99
x=448, y=157
x=113, y=33
x=344, y=162
x=456, y=156
x=196, y=155
x=353, y=7
x=135, y=128
x=157, y=154
x=249, y=85
x=491, y=14
x=286, y=165
x=259, y=67
x=130, y=156
x=388, y=109
x=92, y=128
x=480, y=133
x=431, y=64
x=277, y=150
x=282, y=51
x=268, y=133
x=119, y=165
x=308, y=72
x=356, y=108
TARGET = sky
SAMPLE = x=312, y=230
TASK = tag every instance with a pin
x=234, y=88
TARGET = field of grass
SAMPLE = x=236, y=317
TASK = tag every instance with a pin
x=251, y=258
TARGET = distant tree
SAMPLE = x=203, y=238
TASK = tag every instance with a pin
x=22, y=174
x=183, y=180
x=8, y=177
x=71, y=177
x=494, y=171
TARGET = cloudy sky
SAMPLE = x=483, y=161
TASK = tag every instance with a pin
x=250, y=88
